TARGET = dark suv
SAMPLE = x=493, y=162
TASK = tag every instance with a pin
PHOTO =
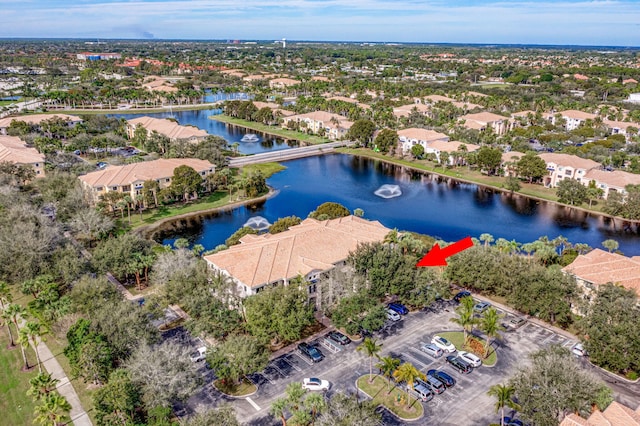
x=338, y=337
x=310, y=352
x=458, y=364
x=399, y=308
x=461, y=295
x=443, y=377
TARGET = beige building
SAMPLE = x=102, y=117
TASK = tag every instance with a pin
x=622, y=128
x=414, y=136
x=484, y=120
x=130, y=179
x=615, y=414
x=165, y=127
x=308, y=250
x=282, y=83
x=450, y=147
x=334, y=126
x=13, y=150
x=614, y=181
x=599, y=267
x=406, y=110
x=566, y=166
x=36, y=119
x=573, y=118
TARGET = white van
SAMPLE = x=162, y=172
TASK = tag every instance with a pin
x=421, y=392
x=393, y=315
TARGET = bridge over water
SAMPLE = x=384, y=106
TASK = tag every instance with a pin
x=288, y=154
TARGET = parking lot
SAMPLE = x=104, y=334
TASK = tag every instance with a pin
x=465, y=404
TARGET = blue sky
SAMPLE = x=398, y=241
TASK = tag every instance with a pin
x=455, y=21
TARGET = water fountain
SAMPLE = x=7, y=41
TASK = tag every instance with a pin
x=388, y=191
x=258, y=223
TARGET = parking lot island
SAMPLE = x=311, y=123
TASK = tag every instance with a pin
x=394, y=399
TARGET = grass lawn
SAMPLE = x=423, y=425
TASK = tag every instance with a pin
x=457, y=338
x=272, y=130
x=234, y=389
x=84, y=390
x=7, y=103
x=267, y=169
x=15, y=405
x=378, y=391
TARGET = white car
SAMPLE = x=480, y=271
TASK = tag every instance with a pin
x=315, y=384
x=578, y=350
x=199, y=355
x=393, y=315
x=443, y=344
x=472, y=359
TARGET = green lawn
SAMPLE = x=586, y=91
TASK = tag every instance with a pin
x=378, y=392
x=457, y=338
x=267, y=169
x=7, y=103
x=272, y=130
x=235, y=389
x=15, y=405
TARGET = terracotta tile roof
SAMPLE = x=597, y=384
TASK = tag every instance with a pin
x=283, y=82
x=615, y=414
x=14, y=150
x=451, y=146
x=139, y=172
x=484, y=117
x=271, y=105
x=577, y=115
x=37, y=118
x=600, y=267
x=439, y=98
x=405, y=110
x=169, y=128
x=322, y=116
x=568, y=160
x=349, y=100
x=309, y=246
x=511, y=156
x=620, y=124
x=616, y=178
x=523, y=113
x=574, y=420
x=421, y=134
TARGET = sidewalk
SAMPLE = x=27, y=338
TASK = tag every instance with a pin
x=79, y=417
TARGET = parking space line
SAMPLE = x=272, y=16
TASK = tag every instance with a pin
x=253, y=404
x=548, y=339
x=568, y=343
x=267, y=378
x=416, y=360
x=275, y=367
x=295, y=366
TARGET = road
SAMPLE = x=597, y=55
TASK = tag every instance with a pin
x=288, y=154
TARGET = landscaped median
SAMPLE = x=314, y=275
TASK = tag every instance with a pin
x=236, y=390
x=457, y=338
x=391, y=397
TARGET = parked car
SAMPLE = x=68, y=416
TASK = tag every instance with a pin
x=514, y=323
x=421, y=392
x=315, y=384
x=443, y=344
x=339, y=338
x=199, y=355
x=310, y=352
x=578, y=350
x=508, y=421
x=436, y=385
x=481, y=307
x=459, y=364
x=393, y=315
x=461, y=295
x=432, y=350
x=470, y=358
x=398, y=308
x=443, y=377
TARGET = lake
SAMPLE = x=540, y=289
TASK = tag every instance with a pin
x=406, y=200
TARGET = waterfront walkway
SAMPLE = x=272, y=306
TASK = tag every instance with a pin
x=288, y=154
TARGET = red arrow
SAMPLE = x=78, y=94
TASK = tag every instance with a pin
x=438, y=256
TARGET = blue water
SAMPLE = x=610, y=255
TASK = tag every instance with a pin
x=229, y=132
x=428, y=205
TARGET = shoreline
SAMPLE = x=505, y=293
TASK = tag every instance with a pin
x=190, y=107
x=494, y=188
x=148, y=231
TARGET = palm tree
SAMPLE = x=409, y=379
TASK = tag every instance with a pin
x=611, y=245
x=504, y=395
x=315, y=403
x=278, y=409
x=465, y=317
x=53, y=411
x=486, y=239
x=14, y=311
x=23, y=341
x=41, y=385
x=388, y=366
x=5, y=294
x=408, y=373
x=490, y=324
x=33, y=330
x=371, y=348
x=6, y=318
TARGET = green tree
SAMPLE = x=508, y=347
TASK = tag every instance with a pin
x=284, y=224
x=531, y=167
x=186, y=181
x=408, y=373
x=41, y=385
x=611, y=245
x=387, y=367
x=417, y=151
x=371, y=349
x=33, y=331
x=512, y=184
x=329, y=210
x=465, y=318
x=490, y=324
x=362, y=131
x=219, y=416
x=571, y=192
x=235, y=237
x=347, y=410
x=489, y=159
x=386, y=140
x=238, y=356
x=53, y=410
x=504, y=395
x=278, y=409
x=119, y=401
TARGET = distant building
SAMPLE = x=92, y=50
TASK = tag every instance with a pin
x=36, y=119
x=14, y=150
x=437, y=147
x=165, y=127
x=634, y=98
x=334, y=126
x=89, y=56
x=566, y=166
x=130, y=179
x=282, y=83
x=406, y=110
x=309, y=250
x=408, y=138
x=484, y=120
x=610, y=181
x=615, y=414
x=573, y=119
